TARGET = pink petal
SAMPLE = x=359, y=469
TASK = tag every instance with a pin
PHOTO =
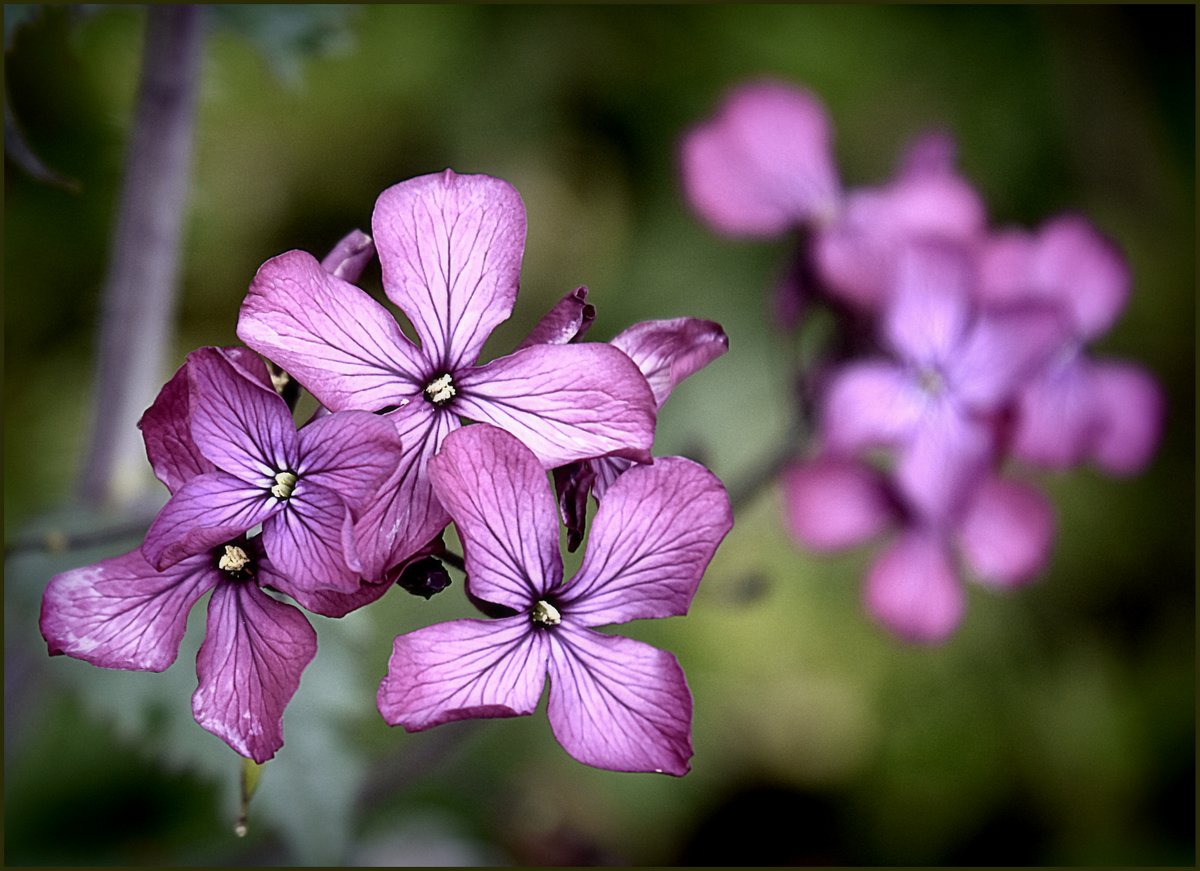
x=464, y=669
x=1056, y=415
x=349, y=451
x=249, y=364
x=249, y=667
x=1076, y=266
x=832, y=503
x=167, y=430
x=206, y=511
x=1007, y=533
x=565, y=402
x=946, y=457
x=911, y=589
x=652, y=538
x=930, y=306
x=450, y=246
x=567, y=321
x=304, y=540
x=329, y=603
x=350, y=256
x=1002, y=351
x=933, y=152
x=619, y=704
x=669, y=351
x=1005, y=268
x=869, y=404
x=1131, y=408
x=500, y=499
x=121, y=613
x=763, y=163
x=606, y=470
x=337, y=341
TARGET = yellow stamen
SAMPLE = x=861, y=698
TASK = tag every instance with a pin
x=234, y=560
x=545, y=614
x=285, y=482
x=441, y=389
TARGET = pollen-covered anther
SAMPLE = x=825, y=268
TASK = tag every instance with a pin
x=234, y=559
x=441, y=390
x=545, y=614
x=285, y=482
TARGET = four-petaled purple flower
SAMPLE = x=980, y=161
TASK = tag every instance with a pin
x=614, y=702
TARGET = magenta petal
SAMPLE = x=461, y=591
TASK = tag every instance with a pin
x=605, y=471
x=652, y=538
x=832, y=503
x=1006, y=533
x=946, y=457
x=304, y=540
x=763, y=163
x=329, y=603
x=565, y=402
x=930, y=306
x=669, y=351
x=619, y=704
x=1131, y=408
x=1001, y=352
x=464, y=669
x=1075, y=266
x=350, y=256
x=870, y=404
x=500, y=499
x=567, y=321
x=911, y=589
x=121, y=613
x=1056, y=416
x=167, y=430
x=206, y=511
x=450, y=246
x=249, y=667
x=337, y=341
x=348, y=451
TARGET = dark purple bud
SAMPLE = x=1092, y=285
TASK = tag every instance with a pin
x=425, y=577
x=350, y=256
x=573, y=483
x=566, y=322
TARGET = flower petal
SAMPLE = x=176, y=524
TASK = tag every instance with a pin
x=121, y=613
x=337, y=341
x=946, y=457
x=1076, y=266
x=327, y=602
x=669, y=351
x=619, y=704
x=350, y=256
x=1056, y=415
x=930, y=306
x=911, y=589
x=652, y=538
x=763, y=163
x=869, y=404
x=1001, y=352
x=832, y=503
x=1007, y=533
x=206, y=511
x=573, y=482
x=498, y=494
x=464, y=669
x=304, y=540
x=566, y=322
x=565, y=402
x=167, y=430
x=450, y=246
x=349, y=452
x=249, y=667
x=1131, y=408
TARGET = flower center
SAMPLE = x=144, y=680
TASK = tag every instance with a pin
x=235, y=561
x=285, y=483
x=545, y=614
x=440, y=390
x=931, y=381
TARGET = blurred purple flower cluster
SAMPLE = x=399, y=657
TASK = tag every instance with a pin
x=961, y=361
x=334, y=513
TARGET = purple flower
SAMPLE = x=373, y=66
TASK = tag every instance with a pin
x=254, y=467
x=615, y=703
x=450, y=247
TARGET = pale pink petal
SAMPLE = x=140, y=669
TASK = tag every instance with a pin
x=1002, y=351
x=450, y=246
x=350, y=256
x=565, y=402
x=832, y=503
x=206, y=511
x=1056, y=415
x=930, y=306
x=669, y=351
x=1007, y=533
x=912, y=590
x=946, y=457
x=1131, y=408
x=167, y=430
x=249, y=667
x=330, y=335
x=304, y=540
x=121, y=613
x=869, y=404
x=1076, y=266
x=500, y=499
x=348, y=451
x=567, y=321
x=464, y=669
x=617, y=703
x=763, y=163
x=1005, y=261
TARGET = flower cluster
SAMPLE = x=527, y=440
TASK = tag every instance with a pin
x=333, y=513
x=961, y=358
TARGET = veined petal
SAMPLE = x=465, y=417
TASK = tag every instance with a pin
x=167, y=431
x=304, y=540
x=450, y=246
x=564, y=402
x=244, y=429
x=464, y=669
x=606, y=470
x=327, y=602
x=498, y=494
x=337, y=341
x=1056, y=415
x=349, y=452
x=652, y=538
x=869, y=404
x=121, y=613
x=911, y=589
x=946, y=457
x=249, y=667
x=350, y=256
x=1007, y=533
x=249, y=364
x=668, y=351
x=404, y=515
x=832, y=503
x=763, y=163
x=1131, y=408
x=930, y=305
x=567, y=321
x=617, y=703
x=206, y=511
x=1001, y=351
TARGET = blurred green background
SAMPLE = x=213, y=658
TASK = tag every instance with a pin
x=1057, y=727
